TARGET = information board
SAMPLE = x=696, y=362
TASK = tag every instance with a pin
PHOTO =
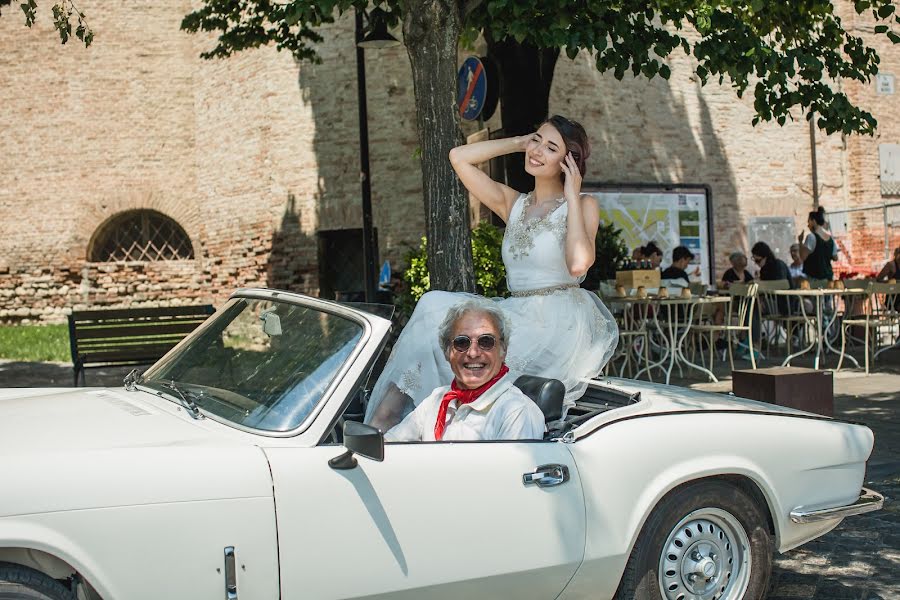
x=669, y=216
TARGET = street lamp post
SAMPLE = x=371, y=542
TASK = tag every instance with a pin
x=378, y=37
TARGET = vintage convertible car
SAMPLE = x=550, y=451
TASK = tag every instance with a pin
x=238, y=467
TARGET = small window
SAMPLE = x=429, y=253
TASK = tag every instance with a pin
x=141, y=235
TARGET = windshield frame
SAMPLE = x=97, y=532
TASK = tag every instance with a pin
x=338, y=381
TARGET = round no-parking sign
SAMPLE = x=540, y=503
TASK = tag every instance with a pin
x=471, y=89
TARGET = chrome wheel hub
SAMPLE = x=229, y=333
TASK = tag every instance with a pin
x=705, y=557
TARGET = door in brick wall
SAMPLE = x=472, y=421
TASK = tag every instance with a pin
x=341, y=264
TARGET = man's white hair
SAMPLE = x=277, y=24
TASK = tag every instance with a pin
x=474, y=305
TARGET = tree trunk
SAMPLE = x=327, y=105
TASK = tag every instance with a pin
x=526, y=75
x=431, y=33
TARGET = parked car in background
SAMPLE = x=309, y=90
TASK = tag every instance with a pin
x=237, y=467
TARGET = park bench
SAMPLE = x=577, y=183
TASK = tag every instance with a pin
x=130, y=336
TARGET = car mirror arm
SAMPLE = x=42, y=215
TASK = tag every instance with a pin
x=361, y=439
x=343, y=461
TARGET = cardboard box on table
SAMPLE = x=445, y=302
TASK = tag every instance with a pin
x=649, y=278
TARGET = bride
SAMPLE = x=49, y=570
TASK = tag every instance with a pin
x=558, y=329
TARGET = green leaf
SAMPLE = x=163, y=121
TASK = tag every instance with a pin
x=664, y=71
x=881, y=28
x=893, y=37
x=886, y=10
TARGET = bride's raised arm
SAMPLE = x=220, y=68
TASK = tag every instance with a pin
x=493, y=194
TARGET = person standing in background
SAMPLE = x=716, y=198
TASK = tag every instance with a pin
x=817, y=248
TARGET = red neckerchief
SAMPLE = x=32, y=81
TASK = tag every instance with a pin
x=462, y=397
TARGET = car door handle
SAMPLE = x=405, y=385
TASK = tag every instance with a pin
x=230, y=574
x=547, y=476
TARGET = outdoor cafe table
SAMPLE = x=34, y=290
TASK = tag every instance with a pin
x=673, y=318
x=818, y=297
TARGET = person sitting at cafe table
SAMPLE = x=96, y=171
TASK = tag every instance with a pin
x=653, y=253
x=681, y=258
x=738, y=272
x=891, y=268
x=772, y=269
x=796, y=266
x=481, y=403
x=890, y=271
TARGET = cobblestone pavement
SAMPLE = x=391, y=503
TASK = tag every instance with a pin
x=859, y=560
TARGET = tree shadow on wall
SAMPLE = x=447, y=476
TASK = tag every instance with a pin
x=291, y=263
x=646, y=132
x=329, y=91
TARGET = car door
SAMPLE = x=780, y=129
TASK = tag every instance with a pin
x=434, y=520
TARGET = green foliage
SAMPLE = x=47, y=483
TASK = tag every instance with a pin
x=35, y=342
x=63, y=11
x=490, y=274
x=791, y=53
x=611, y=254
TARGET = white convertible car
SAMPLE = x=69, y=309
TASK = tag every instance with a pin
x=236, y=467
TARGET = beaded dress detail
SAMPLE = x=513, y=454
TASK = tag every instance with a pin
x=558, y=329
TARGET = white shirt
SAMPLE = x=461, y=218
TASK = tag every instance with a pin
x=501, y=413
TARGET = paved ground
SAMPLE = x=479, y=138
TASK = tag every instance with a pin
x=859, y=560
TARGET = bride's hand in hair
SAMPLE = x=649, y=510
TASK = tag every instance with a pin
x=572, y=186
x=521, y=141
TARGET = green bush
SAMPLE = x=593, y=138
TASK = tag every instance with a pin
x=490, y=274
x=611, y=256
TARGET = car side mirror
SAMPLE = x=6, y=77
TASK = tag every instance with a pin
x=361, y=439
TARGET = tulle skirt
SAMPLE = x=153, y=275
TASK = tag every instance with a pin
x=567, y=335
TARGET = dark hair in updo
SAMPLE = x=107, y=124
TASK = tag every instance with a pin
x=818, y=216
x=575, y=138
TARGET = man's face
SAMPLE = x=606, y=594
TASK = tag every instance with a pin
x=739, y=263
x=474, y=366
x=682, y=263
x=656, y=260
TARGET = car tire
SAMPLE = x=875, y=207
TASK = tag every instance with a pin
x=23, y=583
x=707, y=540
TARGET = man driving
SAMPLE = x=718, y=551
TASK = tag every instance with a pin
x=481, y=403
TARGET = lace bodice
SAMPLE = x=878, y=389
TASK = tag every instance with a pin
x=534, y=245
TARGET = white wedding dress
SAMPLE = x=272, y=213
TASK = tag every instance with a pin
x=558, y=330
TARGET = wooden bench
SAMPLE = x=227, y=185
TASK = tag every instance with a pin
x=130, y=336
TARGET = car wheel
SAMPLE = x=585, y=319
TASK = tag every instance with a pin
x=707, y=541
x=23, y=583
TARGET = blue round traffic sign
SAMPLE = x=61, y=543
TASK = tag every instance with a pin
x=471, y=89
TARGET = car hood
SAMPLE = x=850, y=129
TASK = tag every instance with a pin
x=67, y=449
x=657, y=398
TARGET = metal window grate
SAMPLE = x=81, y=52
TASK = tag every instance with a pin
x=141, y=235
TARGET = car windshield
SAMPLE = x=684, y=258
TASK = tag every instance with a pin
x=261, y=364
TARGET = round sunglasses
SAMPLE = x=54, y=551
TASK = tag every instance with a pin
x=462, y=343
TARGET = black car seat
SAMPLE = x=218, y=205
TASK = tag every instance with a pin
x=548, y=394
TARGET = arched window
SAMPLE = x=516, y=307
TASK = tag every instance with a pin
x=140, y=235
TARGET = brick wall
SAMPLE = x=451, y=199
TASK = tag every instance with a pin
x=255, y=154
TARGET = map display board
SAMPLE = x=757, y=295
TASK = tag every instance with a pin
x=670, y=217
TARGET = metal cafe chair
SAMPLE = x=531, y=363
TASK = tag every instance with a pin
x=634, y=338
x=739, y=318
x=779, y=313
x=881, y=321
